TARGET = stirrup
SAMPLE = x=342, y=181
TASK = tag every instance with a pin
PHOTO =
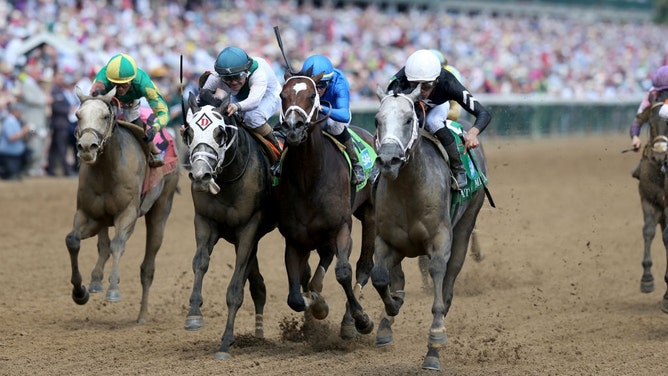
x=357, y=175
x=459, y=181
x=275, y=169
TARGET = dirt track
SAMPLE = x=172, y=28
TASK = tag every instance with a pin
x=557, y=294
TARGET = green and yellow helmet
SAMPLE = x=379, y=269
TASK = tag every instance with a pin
x=121, y=69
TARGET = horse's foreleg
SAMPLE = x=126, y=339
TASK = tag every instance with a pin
x=83, y=228
x=651, y=219
x=365, y=262
x=246, y=251
x=344, y=275
x=103, y=253
x=296, y=261
x=124, y=224
x=387, y=268
x=206, y=237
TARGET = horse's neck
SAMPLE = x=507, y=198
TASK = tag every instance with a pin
x=310, y=157
x=236, y=157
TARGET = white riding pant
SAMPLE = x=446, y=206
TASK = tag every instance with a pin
x=130, y=111
x=334, y=127
x=258, y=116
x=436, y=117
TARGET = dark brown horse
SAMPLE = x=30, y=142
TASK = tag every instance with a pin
x=653, y=189
x=315, y=209
x=413, y=211
x=232, y=194
x=113, y=169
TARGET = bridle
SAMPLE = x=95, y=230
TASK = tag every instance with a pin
x=406, y=148
x=109, y=128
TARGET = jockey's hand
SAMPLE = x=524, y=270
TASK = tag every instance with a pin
x=149, y=134
x=471, y=139
x=231, y=109
x=635, y=143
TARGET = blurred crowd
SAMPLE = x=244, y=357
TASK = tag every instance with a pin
x=64, y=42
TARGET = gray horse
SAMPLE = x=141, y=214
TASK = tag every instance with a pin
x=111, y=178
x=232, y=193
x=413, y=205
x=653, y=189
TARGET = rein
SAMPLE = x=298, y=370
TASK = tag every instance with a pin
x=221, y=167
x=108, y=129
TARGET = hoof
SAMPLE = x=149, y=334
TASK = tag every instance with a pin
x=348, y=332
x=194, y=323
x=646, y=286
x=81, y=297
x=431, y=363
x=320, y=309
x=384, y=334
x=113, y=296
x=364, y=326
x=223, y=355
x=95, y=287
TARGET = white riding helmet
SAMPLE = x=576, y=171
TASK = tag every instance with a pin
x=422, y=65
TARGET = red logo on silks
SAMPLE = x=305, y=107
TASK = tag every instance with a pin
x=204, y=122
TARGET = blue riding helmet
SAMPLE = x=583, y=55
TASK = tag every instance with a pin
x=319, y=64
x=232, y=61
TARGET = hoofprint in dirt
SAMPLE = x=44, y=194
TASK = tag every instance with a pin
x=557, y=292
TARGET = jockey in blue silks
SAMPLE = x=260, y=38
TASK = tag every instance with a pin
x=334, y=92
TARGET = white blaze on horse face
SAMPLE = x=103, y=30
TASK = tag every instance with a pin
x=300, y=86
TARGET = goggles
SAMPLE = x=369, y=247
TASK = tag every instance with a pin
x=425, y=85
x=322, y=84
x=234, y=78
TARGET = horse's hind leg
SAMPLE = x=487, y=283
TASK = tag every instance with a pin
x=258, y=291
x=124, y=224
x=651, y=218
x=83, y=228
x=103, y=253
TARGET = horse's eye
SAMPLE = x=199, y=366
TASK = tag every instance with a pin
x=219, y=135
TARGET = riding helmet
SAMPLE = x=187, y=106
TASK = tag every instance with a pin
x=121, y=69
x=660, y=78
x=232, y=61
x=319, y=64
x=422, y=66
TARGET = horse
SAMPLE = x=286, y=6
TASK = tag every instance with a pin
x=316, y=204
x=113, y=192
x=653, y=189
x=232, y=194
x=413, y=216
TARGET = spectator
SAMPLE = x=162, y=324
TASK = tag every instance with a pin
x=63, y=107
x=14, y=152
x=35, y=104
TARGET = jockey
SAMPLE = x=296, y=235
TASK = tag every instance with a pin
x=439, y=86
x=251, y=85
x=452, y=108
x=334, y=89
x=132, y=84
x=659, y=83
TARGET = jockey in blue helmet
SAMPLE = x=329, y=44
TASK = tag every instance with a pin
x=334, y=91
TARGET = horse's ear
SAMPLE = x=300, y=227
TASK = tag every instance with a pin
x=380, y=93
x=110, y=95
x=223, y=104
x=287, y=75
x=317, y=77
x=192, y=107
x=80, y=94
x=415, y=93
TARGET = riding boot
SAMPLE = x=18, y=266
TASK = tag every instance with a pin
x=358, y=171
x=276, y=167
x=156, y=158
x=458, y=171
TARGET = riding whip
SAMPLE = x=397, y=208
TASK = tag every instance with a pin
x=183, y=104
x=280, y=45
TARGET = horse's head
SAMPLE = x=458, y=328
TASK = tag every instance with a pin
x=208, y=134
x=397, y=131
x=95, y=122
x=300, y=106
